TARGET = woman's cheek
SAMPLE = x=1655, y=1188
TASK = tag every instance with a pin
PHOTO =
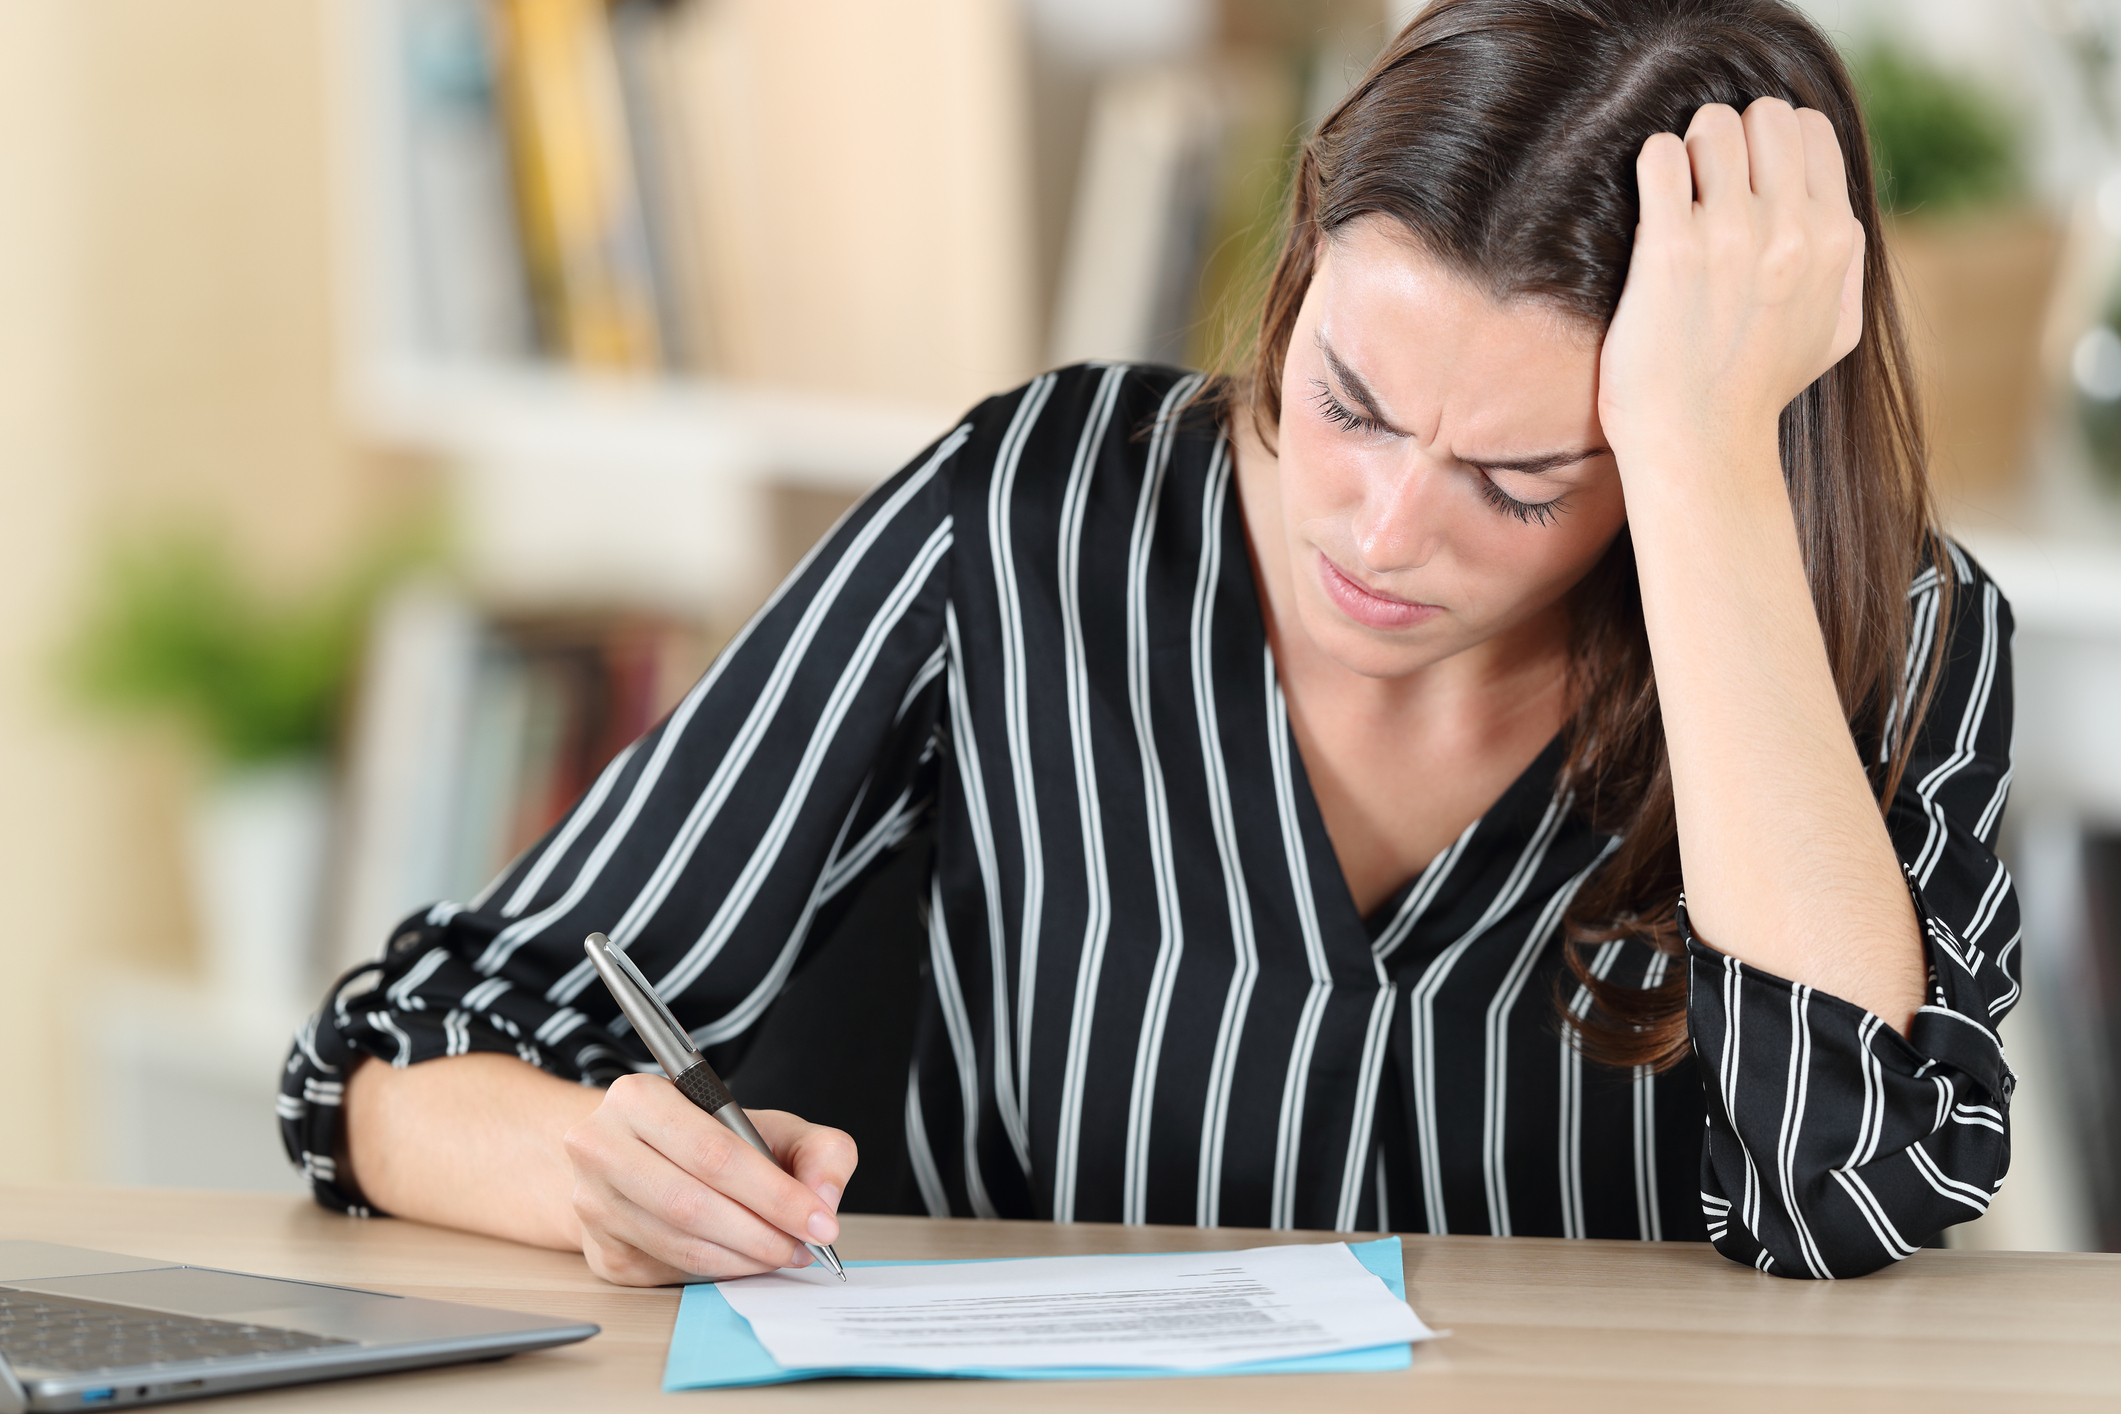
x=1321, y=478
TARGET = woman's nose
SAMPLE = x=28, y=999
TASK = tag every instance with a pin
x=1401, y=517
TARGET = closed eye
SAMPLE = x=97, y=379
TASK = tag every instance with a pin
x=1333, y=410
x=1529, y=512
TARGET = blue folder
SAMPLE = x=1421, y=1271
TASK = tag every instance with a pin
x=713, y=1346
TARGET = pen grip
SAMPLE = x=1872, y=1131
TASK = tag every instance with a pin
x=704, y=1088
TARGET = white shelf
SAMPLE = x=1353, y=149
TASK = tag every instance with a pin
x=533, y=414
x=574, y=489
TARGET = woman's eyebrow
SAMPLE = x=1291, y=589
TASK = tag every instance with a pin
x=1533, y=466
x=1358, y=391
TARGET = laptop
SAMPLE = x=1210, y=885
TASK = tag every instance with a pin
x=95, y=1330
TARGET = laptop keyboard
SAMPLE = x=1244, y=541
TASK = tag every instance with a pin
x=45, y=1335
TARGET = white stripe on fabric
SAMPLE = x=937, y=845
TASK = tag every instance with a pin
x=1097, y=881
x=1016, y=714
x=1369, y=1077
x=404, y=993
x=1573, y=1223
x=1422, y=1004
x=1873, y=1214
x=1649, y=1207
x=926, y=1175
x=2003, y=964
x=1495, y=1040
x=1991, y=901
x=746, y=1013
x=981, y=820
x=1222, y=818
x=957, y=1023
x=1943, y=1183
x=1296, y=1080
x=381, y=1020
x=570, y=830
x=1922, y=632
x=1727, y=1085
x=1870, y=1125
x=1796, y=1090
x=1423, y=893
x=887, y=833
x=929, y=672
x=1171, y=935
x=1992, y=813
x=1963, y=748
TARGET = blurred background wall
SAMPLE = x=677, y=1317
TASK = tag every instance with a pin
x=401, y=399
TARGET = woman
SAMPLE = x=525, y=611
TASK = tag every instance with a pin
x=1315, y=757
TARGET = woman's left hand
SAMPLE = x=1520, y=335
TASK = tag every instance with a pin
x=1746, y=285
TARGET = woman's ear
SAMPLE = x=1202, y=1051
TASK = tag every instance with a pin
x=1848, y=332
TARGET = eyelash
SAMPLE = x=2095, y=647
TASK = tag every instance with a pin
x=1526, y=512
x=1334, y=410
x=1529, y=512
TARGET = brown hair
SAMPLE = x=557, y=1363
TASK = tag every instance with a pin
x=1502, y=135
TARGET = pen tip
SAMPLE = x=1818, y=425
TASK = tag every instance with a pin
x=843, y=1273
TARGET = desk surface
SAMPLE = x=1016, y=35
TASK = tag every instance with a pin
x=1539, y=1324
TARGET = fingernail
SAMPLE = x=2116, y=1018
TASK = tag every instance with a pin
x=823, y=1228
x=830, y=1194
x=802, y=1258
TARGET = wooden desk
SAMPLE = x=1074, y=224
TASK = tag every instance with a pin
x=1540, y=1324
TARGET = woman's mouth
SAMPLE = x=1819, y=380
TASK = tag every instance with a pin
x=1366, y=606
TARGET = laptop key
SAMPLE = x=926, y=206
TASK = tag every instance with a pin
x=46, y=1335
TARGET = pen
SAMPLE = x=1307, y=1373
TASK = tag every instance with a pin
x=681, y=1061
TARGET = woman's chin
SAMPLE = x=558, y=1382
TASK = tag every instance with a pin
x=1373, y=652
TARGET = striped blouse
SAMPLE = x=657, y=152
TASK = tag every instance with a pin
x=1150, y=996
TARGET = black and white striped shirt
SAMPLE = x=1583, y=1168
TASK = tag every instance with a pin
x=1152, y=998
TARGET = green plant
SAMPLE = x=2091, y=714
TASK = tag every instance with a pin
x=1939, y=141
x=173, y=629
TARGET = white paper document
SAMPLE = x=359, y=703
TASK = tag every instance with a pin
x=1169, y=1311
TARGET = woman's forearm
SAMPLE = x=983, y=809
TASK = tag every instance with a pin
x=472, y=1142
x=1786, y=858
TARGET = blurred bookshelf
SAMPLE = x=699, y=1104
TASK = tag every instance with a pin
x=583, y=273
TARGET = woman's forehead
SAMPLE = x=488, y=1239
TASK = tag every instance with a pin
x=1439, y=352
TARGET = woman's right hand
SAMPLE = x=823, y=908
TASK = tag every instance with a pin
x=666, y=1193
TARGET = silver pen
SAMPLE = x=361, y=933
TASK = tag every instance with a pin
x=681, y=1061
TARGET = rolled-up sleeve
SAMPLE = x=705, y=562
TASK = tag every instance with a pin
x=1835, y=1145
x=713, y=849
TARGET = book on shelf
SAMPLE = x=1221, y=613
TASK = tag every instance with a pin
x=825, y=199
x=1131, y=266
x=552, y=182
x=577, y=192
x=473, y=734
x=1182, y=186
x=468, y=298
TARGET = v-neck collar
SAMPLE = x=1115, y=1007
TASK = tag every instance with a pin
x=1338, y=914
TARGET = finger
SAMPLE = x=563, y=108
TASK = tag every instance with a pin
x=615, y=1164
x=623, y=1264
x=1664, y=181
x=1848, y=330
x=1774, y=148
x=708, y=1150
x=621, y=1222
x=822, y=1159
x=1826, y=176
x=678, y=1200
x=1715, y=145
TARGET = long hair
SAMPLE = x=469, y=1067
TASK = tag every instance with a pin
x=1502, y=135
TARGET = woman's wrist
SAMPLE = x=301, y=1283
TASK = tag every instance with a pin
x=1688, y=470
x=475, y=1142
